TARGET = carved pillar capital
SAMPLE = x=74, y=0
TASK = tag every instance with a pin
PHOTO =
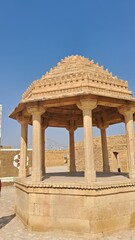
x=44, y=123
x=71, y=127
x=22, y=119
x=126, y=110
x=35, y=109
x=102, y=126
x=85, y=104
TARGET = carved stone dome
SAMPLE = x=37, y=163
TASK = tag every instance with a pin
x=76, y=75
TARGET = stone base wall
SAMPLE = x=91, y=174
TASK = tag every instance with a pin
x=80, y=210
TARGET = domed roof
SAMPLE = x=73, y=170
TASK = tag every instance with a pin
x=76, y=75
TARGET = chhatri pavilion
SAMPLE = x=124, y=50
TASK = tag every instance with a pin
x=76, y=93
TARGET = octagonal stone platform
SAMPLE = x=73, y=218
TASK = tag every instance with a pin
x=66, y=203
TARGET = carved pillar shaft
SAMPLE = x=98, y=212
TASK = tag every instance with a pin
x=43, y=150
x=36, y=148
x=72, y=166
x=127, y=111
x=23, y=150
x=36, y=111
x=86, y=105
x=130, y=143
x=106, y=167
x=88, y=145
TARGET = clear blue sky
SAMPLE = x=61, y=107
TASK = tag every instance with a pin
x=36, y=34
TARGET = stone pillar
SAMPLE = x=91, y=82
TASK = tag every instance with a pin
x=128, y=111
x=43, y=150
x=106, y=167
x=72, y=166
x=23, y=146
x=43, y=128
x=87, y=105
x=37, y=141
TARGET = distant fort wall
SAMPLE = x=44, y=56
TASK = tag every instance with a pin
x=117, y=154
x=7, y=169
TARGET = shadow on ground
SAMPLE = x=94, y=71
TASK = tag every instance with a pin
x=5, y=220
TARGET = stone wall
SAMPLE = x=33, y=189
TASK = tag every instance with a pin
x=53, y=158
x=117, y=154
x=6, y=163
